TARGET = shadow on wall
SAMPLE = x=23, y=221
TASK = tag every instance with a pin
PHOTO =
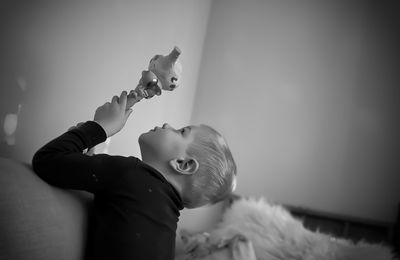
x=13, y=88
x=15, y=59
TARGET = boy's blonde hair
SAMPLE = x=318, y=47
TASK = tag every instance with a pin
x=216, y=177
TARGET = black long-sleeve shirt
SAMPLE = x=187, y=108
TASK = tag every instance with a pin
x=136, y=209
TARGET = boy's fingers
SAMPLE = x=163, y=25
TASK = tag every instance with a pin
x=123, y=99
x=114, y=99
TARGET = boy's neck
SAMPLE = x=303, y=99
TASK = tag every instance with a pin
x=173, y=178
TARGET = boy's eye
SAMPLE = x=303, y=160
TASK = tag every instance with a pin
x=182, y=130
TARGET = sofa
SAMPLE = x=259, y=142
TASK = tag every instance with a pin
x=39, y=221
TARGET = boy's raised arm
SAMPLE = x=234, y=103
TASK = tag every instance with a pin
x=61, y=161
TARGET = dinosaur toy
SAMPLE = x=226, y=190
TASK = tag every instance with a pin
x=163, y=73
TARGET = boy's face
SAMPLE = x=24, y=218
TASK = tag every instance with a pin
x=166, y=143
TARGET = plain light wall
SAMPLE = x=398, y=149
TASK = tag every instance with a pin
x=307, y=95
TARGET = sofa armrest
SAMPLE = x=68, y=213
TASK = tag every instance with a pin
x=39, y=221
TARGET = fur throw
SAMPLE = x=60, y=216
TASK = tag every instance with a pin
x=276, y=235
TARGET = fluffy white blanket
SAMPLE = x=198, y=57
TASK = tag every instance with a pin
x=276, y=235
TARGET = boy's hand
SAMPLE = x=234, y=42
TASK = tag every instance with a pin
x=112, y=116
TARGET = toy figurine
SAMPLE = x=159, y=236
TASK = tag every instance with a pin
x=164, y=73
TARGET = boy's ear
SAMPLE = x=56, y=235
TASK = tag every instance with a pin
x=185, y=166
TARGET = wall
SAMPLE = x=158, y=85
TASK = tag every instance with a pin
x=306, y=93
x=60, y=60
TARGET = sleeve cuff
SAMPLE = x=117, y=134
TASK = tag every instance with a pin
x=92, y=133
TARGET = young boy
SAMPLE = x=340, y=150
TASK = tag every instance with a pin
x=137, y=202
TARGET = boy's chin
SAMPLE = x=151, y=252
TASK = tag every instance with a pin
x=143, y=138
